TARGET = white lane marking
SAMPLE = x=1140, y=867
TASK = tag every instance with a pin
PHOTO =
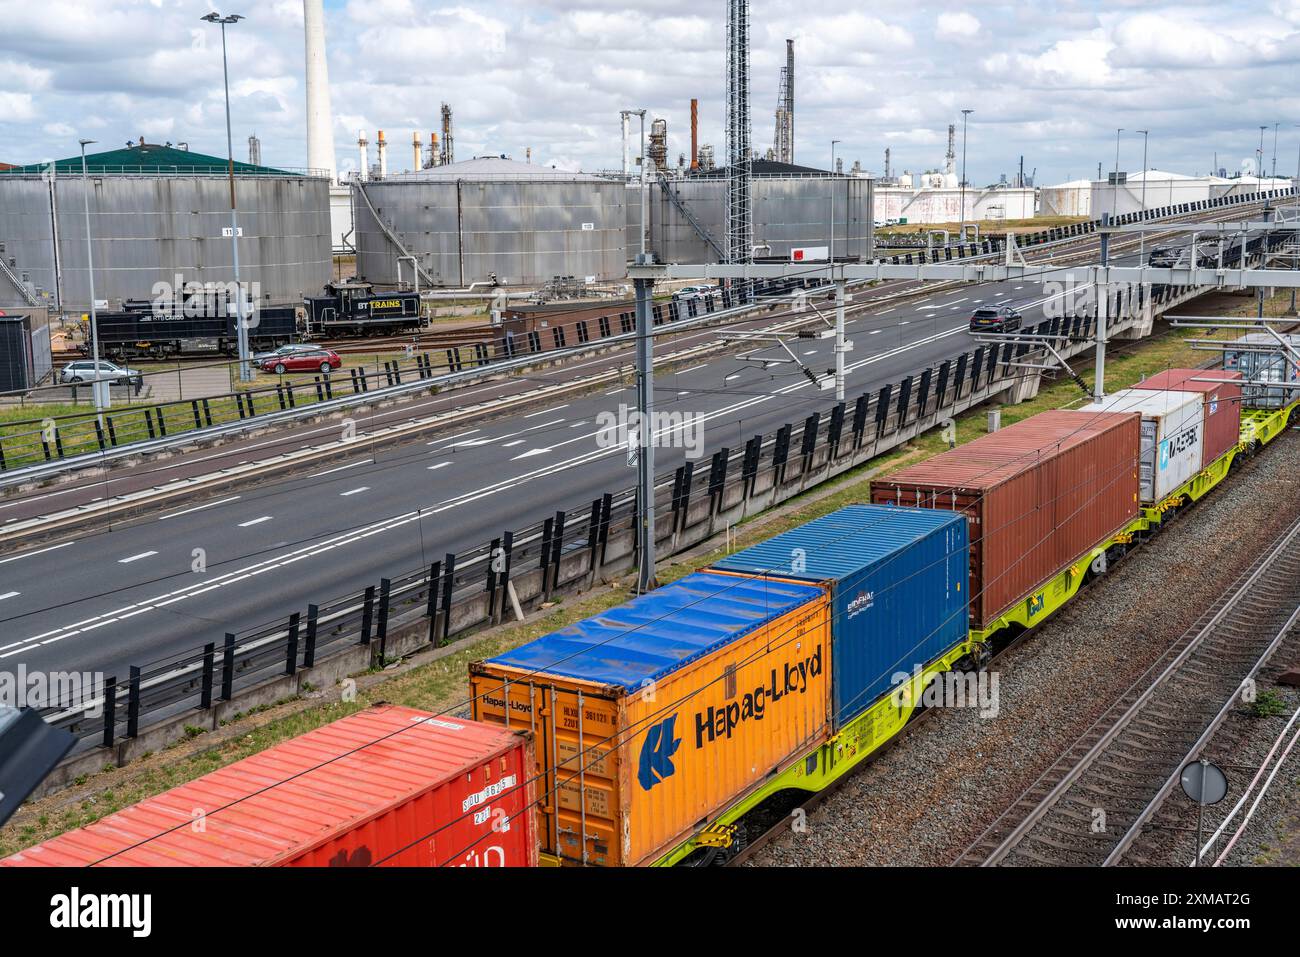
x=906, y=322
x=341, y=468
x=874, y=332
x=953, y=302
x=355, y=491
x=52, y=548
x=9, y=594
x=692, y=369
x=511, y=445
x=533, y=415
x=529, y=454
x=734, y=375
x=199, y=508
x=134, y=558
x=578, y=425
x=440, y=465
x=475, y=443
x=810, y=352
x=453, y=438
x=256, y=521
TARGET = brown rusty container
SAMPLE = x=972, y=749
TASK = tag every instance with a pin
x=1039, y=495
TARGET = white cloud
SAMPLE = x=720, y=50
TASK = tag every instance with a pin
x=959, y=26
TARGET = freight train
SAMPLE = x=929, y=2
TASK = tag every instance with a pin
x=204, y=322
x=661, y=731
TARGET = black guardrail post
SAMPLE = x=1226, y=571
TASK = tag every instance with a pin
x=133, y=703
x=835, y=429
x=606, y=504
x=548, y=533
x=99, y=440
x=809, y=444
x=291, y=646
x=112, y=431
x=491, y=585
x=781, y=452
x=194, y=407
x=941, y=390
x=593, y=534
x=385, y=597
x=860, y=419
x=367, y=614
x=309, y=651
x=557, y=549
x=748, y=466
x=205, y=689
x=882, y=408
x=448, y=575
x=923, y=392
x=148, y=424
x=110, y=710
x=162, y=420
x=507, y=552
x=228, y=667
x=207, y=410
x=431, y=599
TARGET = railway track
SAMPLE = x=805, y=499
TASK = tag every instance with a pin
x=1091, y=805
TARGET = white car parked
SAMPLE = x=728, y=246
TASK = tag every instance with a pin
x=83, y=370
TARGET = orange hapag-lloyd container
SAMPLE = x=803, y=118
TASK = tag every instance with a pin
x=654, y=717
x=388, y=785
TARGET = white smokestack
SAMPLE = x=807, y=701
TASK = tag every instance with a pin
x=363, y=147
x=320, y=118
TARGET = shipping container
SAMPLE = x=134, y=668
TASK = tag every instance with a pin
x=1038, y=496
x=898, y=582
x=653, y=717
x=1173, y=437
x=25, y=350
x=388, y=785
x=1220, y=404
x=1260, y=358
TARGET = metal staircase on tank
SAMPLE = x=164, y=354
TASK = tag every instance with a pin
x=682, y=208
x=18, y=284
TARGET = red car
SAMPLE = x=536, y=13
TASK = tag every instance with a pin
x=308, y=360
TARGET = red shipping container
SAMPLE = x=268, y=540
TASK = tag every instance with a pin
x=1222, y=409
x=1039, y=495
x=388, y=785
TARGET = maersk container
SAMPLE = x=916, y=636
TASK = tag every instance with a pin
x=1220, y=404
x=1039, y=495
x=388, y=785
x=1173, y=437
x=899, y=587
x=654, y=717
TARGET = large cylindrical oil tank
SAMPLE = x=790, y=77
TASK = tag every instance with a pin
x=791, y=207
x=157, y=213
x=491, y=219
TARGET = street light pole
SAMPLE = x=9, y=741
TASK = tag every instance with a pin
x=1142, y=236
x=834, y=143
x=241, y=322
x=99, y=390
x=961, y=236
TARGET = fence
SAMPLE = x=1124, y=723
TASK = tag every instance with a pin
x=44, y=440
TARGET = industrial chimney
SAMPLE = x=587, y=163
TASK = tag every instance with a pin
x=695, y=134
x=383, y=156
x=363, y=147
x=320, y=124
x=417, y=157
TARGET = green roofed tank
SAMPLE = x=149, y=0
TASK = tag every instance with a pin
x=157, y=212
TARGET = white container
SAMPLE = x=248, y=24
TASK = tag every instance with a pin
x=1173, y=437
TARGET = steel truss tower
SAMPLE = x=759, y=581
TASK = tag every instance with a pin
x=740, y=223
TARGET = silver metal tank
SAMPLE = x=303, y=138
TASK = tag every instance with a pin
x=149, y=227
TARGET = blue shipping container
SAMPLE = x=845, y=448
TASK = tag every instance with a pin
x=659, y=632
x=899, y=590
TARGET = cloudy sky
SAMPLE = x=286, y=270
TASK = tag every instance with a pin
x=1050, y=80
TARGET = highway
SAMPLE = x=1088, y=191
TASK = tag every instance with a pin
x=106, y=599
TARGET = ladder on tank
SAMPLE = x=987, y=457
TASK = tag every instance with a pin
x=690, y=217
x=18, y=284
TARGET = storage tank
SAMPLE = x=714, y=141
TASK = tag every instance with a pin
x=491, y=219
x=157, y=212
x=791, y=207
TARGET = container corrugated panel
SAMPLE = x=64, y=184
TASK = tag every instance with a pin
x=1038, y=496
x=388, y=785
x=1173, y=436
x=653, y=717
x=15, y=365
x=898, y=580
x=1220, y=403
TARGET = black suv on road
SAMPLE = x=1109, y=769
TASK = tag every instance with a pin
x=995, y=319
